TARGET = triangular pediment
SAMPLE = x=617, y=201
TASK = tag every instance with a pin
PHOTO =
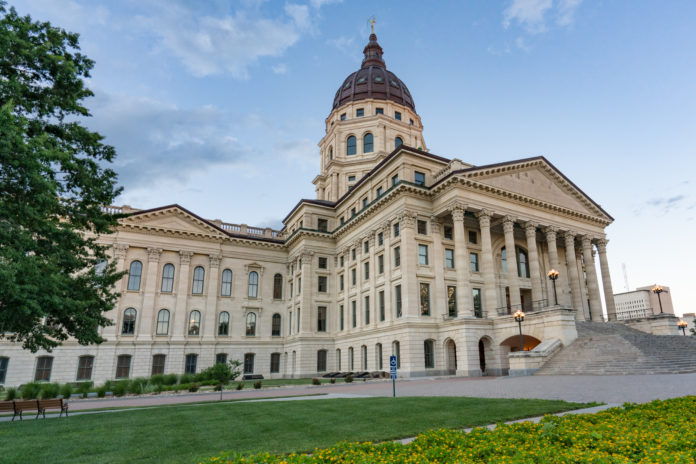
x=537, y=179
x=171, y=219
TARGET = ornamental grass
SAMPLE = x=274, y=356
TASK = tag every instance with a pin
x=656, y=432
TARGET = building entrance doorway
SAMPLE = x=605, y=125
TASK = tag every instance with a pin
x=482, y=357
x=451, y=348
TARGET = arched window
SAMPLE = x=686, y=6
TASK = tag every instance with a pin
x=224, y=323
x=277, y=287
x=275, y=327
x=128, y=327
x=195, y=323
x=338, y=359
x=191, y=361
x=226, y=289
x=363, y=356
x=351, y=145
x=396, y=351
x=378, y=356
x=350, y=358
x=168, y=278
x=44, y=365
x=198, y=279
x=368, y=143
x=123, y=363
x=321, y=361
x=251, y=324
x=84, y=367
x=158, y=361
x=429, y=354
x=3, y=368
x=253, y=284
x=136, y=270
x=398, y=142
x=503, y=260
x=330, y=153
x=162, y=322
x=522, y=263
x=249, y=363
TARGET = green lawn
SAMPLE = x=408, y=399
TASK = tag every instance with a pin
x=186, y=434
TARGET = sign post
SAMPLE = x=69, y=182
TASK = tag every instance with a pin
x=392, y=373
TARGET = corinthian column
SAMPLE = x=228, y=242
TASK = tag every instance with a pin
x=511, y=257
x=461, y=265
x=210, y=312
x=592, y=282
x=530, y=232
x=150, y=288
x=606, y=279
x=573, y=272
x=487, y=271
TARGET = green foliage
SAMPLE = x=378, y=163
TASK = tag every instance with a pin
x=120, y=388
x=186, y=378
x=84, y=388
x=333, y=380
x=157, y=379
x=49, y=390
x=193, y=387
x=349, y=378
x=53, y=183
x=316, y=381
x=101, y=391
x=239, y=386
x=258, y=384
x=11, y=394
x=31, y=390
x=170, y=379
x=66, y=390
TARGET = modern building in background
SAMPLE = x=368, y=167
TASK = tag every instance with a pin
x=402, y=252
x=642, y=302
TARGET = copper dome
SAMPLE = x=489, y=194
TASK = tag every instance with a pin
x=373, y=80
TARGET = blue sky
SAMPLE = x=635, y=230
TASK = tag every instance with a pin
x=218, y=105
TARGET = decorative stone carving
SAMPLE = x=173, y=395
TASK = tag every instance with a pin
x=120, y=250
x=602, y=245
x=408, y=219
x=153, y=254
x=508, y=224
x=530, y=229
x=185, y=256
x=458, y=214
x=435, y=224
x=214, y=260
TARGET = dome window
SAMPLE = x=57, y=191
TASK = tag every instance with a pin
x=351, y=145
x=394, y=84
x=398, y=142
x=397, y=115
x=378, y=79
x=368, y=143
x=343, y=117
x=361, y=80
x=379, y=111
x=360, y=112
x=347, y=86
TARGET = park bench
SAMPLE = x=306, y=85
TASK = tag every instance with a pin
x=7, y=406
x=252, y=377
x=57, y=403
x=25, y=405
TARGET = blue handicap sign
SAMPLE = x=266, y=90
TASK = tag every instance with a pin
x=392, y=367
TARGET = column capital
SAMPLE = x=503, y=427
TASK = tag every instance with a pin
x=215, y=260
x=153, y=254
x=306, y=257
x=457, y=209
x=586, y=242
x=408, y=219
x=602, y=245
x=484, y=217
x=568, y=236
x=530, y=229
x=120, y=250
x=457, y=214
x=550, y=230
x=185, y=256
x=508, y=223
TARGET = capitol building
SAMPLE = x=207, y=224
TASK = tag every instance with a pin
x=402, y=252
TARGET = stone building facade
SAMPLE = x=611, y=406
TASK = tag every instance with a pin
x=643, y=302
x=402, y=252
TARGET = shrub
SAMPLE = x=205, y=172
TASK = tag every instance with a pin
x=316, y=381
x=159, y=388
x=120, y=388
x=157, y=379
x=31, y=390
x=349, y=378
x=101, y=391
x=193, y=387
x=66, y=390
x=11, y=394
x=239, y=385
x=257, y=384
x=49, y=390
x=170, y=379
x=84, y=388
x=135, y=387
x=109, y=384
x=186, y=378
x=332, y=380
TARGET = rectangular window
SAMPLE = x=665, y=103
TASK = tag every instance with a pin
x=341, y=315
x=478, y=310
x=422, y=227
x=423, y=255
x=323, y=263
x=158, y=364
x=429, y=354
x=3, y=369
x=360, y=112
x=397, y=300
x=275, y=325
x=191, y=362
x=298, y=319
x=473, y=238
x=290, y=323
x=425, y=299
x=379, y=191
x=275, y=363
x=321, y=361
x=352, y=254
x=321, y=319
x=449, y=258
x=322, y=284
x=366, y=270
x=351, y=178
x=249, y=363
x=380, y=264
x=380, y=297
x=365, y=202
x=350, y=358
x=397, y=115
x=363, y=351
x=379, y=357
x=123, y=366
x=322, y=225
x=221, y=358
x=419, y=178
x=397, y=256
x=84, y=367
x=342, y=261
x=410, y=121
x=353, y=314
x=473, y=261
x=44, y=364
x=395, y=229
x=379, y=111
x=352, y=277
x=366, y=246
x=341, y=283
x=452, y=301
x=352, y=212
x=367, y=310
x=380, y=239
x=343, y=117
x=395, y=179
x=448, y=232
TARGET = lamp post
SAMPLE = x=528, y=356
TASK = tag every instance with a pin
x=553, y=275
x=682, y=325
x=657, y=290
x=519, y=317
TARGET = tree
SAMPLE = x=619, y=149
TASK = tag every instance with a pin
x=224, y=372
x=54, y=181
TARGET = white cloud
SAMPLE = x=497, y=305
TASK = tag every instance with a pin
x=532, y=14
x=566, y=12
x=279, y=68
x=522, y=44
x=319, y=3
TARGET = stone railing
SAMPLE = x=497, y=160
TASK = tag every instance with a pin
x=243, y=229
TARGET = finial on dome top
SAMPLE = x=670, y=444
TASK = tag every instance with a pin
x=373, y=52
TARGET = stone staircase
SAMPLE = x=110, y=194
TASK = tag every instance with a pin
x=612, y=348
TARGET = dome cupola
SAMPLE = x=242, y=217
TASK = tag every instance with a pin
x=373, y=80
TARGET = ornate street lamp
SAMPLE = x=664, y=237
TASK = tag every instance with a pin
x=682, y=325
x=553, y=275
x=519, y=317
x=657, y=290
